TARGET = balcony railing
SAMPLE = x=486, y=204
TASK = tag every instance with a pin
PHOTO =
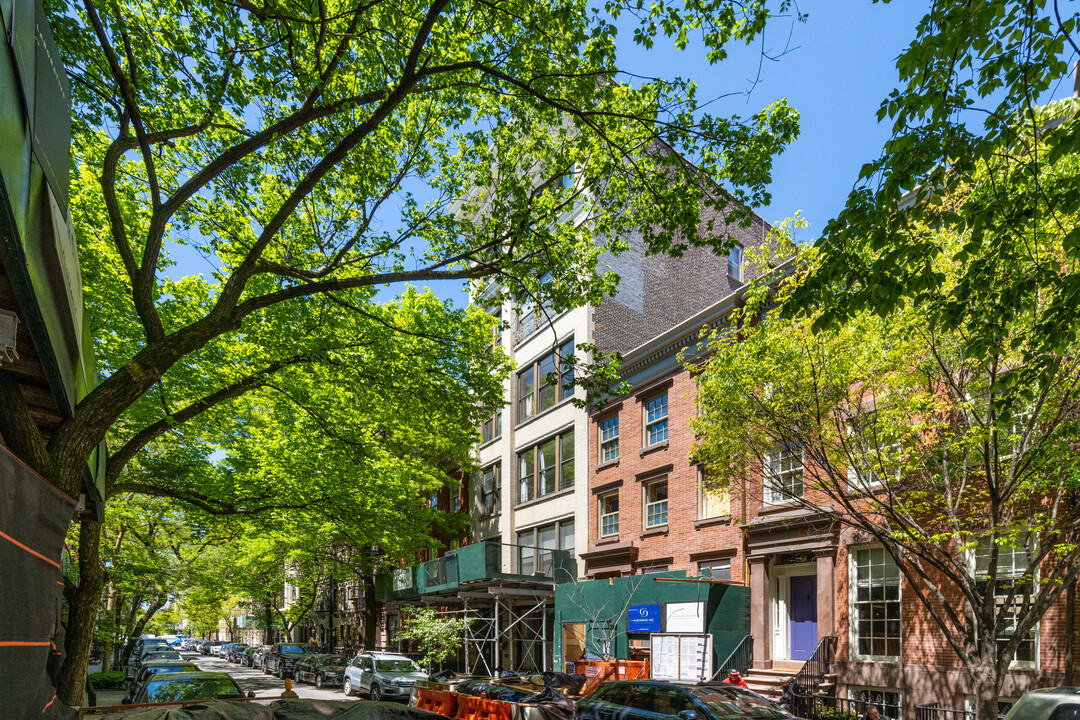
x=481, y=561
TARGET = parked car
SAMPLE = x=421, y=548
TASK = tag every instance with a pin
x=1060, y=703
x=245, y=656
x=171, y=687
x=151, y=652
x=218, y=650
x=641, y=699
x=233, y=650
x=258, y=656
x=383, y=676
x=211, y=646
x=281, y=658
x=320, y=669
x=143, y=645
x=153, y=667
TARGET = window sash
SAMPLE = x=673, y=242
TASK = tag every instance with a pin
x=735, y=262
x=1012, y=565
x=526, y=390
x=609, y=439
x=656, y=504
x=656, y=420
x=609, y=515
x=546, y=467
x=876, y=608
x=784, y=474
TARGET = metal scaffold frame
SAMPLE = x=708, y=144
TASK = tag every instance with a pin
x=486, y=637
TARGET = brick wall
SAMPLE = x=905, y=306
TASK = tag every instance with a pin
x=659, y=292
x=682, y=542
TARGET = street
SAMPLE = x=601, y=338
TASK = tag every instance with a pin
x=254, y=680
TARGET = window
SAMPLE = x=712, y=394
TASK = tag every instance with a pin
x=784, y=474
x=492, y=427
x=609, y=439
x=656, y=420
x=496, y=332
x=656, y=507
x=734, y=262
x=548, y=380
x=433, y=499
x=875, y=605
x=716, y=569
x=887, y=701
x=528, y=320
x=536, y=546
x=609, y=515
x=1011, y=578
x=490, y=491
x=546, y=468
x=711, y=503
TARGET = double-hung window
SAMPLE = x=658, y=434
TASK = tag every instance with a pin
x=492, y=427
x=546, y=467
x=490, y=490
x=609, y=515
x=546, y=381
x=656, y=503
x=784, y=474
x=1012, y=578
x=656, y=420
x=875, y=604
x=887, y=701
x=716, y=569
x=711, y=503
x=609, y=439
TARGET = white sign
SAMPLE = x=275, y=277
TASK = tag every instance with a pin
x=681, y=657
x=686, y=617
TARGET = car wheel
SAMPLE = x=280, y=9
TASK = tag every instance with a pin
x=347, y=687
x=376, y=692
x=318, y=681
x=281, y=672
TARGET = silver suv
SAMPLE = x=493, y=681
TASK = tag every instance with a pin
x=383, y=676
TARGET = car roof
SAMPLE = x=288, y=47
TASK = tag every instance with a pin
x=160, y=662
x=168, y=677
x=387, y=655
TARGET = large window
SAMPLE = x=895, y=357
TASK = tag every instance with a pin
x=546, y=468
x=656, y=503
x=886, y=700
x=784, y=474
x=548, y=380
x=535, y=547
x=656, y=420
x=875, y=604
x=490, y=491
x=1012, y=578
x=609, y=439
x=716, y=569
x=609, y=515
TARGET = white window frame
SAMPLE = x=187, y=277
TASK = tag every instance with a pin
x=606, y=439
x=656, y=421
x=852, y=689
x=702, y=492
x=602, y=515
x=774, y=495
x=853, y=620
x=710, y=565
x=1015, y=664
x=733, y=264
x=645, y=487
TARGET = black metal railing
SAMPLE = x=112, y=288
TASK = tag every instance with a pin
x=741, y=658
x=809, y=679
x=827, y=707
x=933, y=712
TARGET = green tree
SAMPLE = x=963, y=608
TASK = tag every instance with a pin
x=958, y=458
x=283, y=144
x=438, y=634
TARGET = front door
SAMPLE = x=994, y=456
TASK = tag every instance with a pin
x=802, y=616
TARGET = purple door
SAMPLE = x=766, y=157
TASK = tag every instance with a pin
x=802, y=624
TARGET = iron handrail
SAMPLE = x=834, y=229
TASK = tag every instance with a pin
x=816, y=667
x=741, y=658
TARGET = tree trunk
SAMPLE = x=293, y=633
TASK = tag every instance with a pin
x=82, y=616
x=107, y=646
x=987, y=683
x=268, y=608
x=371, y=619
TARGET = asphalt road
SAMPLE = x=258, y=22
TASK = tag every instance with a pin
x=253, y=679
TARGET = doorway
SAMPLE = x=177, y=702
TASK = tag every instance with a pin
x=794, y=613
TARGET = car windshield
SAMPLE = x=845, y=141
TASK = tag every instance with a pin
x=155, y=669
x=292, y=649
x=166, y=655
x=333, y=661
x=190, y=689
x=396, y=666
x=731, y=703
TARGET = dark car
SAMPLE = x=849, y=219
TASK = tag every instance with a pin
x=246, y=656
x=154, y=667
x=281, y=658
x=258, y=656
x=171, y=687
x=638, y=700
x=320, y=669
x=233, y=652
x=1060, y=703
x=152, y=652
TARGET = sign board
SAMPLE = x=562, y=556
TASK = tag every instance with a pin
x=643, y=619
x=682, y=657
x=685, y=617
